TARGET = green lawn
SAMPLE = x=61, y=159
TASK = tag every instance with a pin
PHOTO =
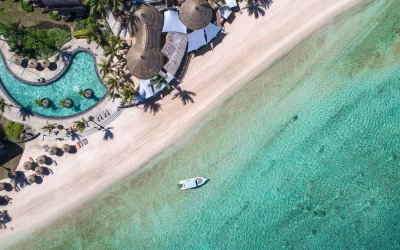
x=12, y=12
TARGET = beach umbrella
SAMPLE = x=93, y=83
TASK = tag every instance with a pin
x=17, y=60
x=44, y=63
x=2, y=186
x=27, y=165
x=31, y=179
x=39, y=170
x=32, y=63
x=66, y=148
x=41, y=159
x=53, y=150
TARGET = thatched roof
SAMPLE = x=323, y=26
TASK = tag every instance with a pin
x=144, y=63
x=2, y=186
x=31, y=179
x=195, y=14
x=64, y=5
x=174, y=49
x=66, y=148
x=32, y=63
x=39, y=170
x=17, y=60
x=41, y=159
x=27, y=165
x=145, y=57
x=44, y=63
x=53, y=150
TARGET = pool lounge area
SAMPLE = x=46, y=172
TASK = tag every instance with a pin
x=80, y=75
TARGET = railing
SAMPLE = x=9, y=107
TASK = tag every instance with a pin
x=103, y=124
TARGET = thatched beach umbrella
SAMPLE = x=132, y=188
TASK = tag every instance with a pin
x=17, y=60
x=27, y=165
x=195, y=14
x=143, y=64
x=41, y=159
x=32, y=63
x=44, y=63
x=31, y=179
x=53, y=150
x=2, y=186
x=66, y=148
x=39, y=170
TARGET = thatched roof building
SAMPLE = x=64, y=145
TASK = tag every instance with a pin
x=144, y=58
x=174, y=49
x=65, y=6
x=195, y=14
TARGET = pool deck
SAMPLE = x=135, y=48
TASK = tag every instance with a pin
x=30, y=76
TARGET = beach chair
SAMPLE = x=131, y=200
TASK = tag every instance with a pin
x=55, y=163
x=46, y=148
x=108, y=113
x=104, y=113
x=85, y=142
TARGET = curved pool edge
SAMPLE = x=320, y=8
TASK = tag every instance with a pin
x=55, y=78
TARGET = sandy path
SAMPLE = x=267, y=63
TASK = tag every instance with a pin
x=250, y=47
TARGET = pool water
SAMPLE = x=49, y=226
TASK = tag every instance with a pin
x=81, y=74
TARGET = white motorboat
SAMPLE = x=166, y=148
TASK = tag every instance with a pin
x=192, y=183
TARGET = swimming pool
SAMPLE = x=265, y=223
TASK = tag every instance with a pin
x=81, y=74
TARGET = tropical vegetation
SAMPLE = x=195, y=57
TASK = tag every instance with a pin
x=34, y=43
x=158, y=81
x=49, y=127
x=3, y=105
x=99, y=7
x=26, y=5
x=14, y=131
x=38, y=102
x=80, y=125
x=55, y=15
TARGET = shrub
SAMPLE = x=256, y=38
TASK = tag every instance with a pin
x=27, y=6
x=82, y=24
x=13, y=131
x=81, y=33
x=55, y=15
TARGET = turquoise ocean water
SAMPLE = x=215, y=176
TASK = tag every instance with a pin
x=306, y=156
x=80, y=75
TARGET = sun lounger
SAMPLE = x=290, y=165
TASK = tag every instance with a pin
x=55, y=163
x=85, y=141
x=46, y=148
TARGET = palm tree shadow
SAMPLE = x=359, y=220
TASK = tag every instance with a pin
x=151, y=105
x=256, y=9
x=266, y=3
x=108, y=134
x=184, y=95
x=25, y=113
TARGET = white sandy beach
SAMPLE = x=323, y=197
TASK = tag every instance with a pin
x=250, y=46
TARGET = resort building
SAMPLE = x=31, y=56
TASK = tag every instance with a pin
x=65, y=7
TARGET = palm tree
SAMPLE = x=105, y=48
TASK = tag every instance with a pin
x=80, y=125
x=81, y=92
x=3, y=105
x=113, y=95
x=49, y=127
x=38, y=102
x=113, y=83
x=159, y=81
x=62, y=103
x=111, y=52
x=105, y=68
x=128, y=95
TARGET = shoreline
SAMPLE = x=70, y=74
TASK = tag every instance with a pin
x=100, y=164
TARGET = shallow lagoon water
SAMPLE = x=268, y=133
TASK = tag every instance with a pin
x=306, y=156
x=81, y=74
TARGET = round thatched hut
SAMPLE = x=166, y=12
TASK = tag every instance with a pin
x=17, y=60
x=44, y=63
x=66, y=148
x=53, y=150
x=27, y=165
x=195, y=14
x=31, y=179
x=41, y=159
x=39, y=170
x=32, y=63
